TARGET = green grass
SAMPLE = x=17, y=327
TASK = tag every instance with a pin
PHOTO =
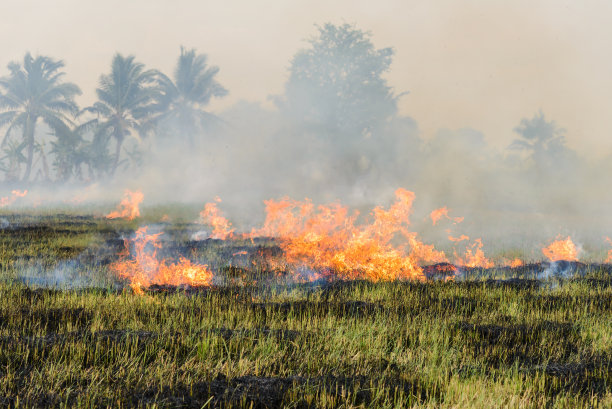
x=477, y=344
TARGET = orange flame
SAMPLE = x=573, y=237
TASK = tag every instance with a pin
x=474, y=256
x=143, y=268
x=128, y=207
x=212, y=216
x=15, y=194
x=437, y=214
x=328, y=239
x=517, y=262
x=609, y=259
x=561, y=250
x=458, y=239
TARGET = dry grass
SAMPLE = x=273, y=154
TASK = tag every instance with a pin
x=254, y=344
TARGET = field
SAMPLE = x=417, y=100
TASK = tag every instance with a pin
x=73, y=335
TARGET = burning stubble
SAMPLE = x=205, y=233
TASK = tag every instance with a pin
x=320, y=242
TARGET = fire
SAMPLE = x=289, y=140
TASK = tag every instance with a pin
x=609, y=259
x=212, y=216
x=517, y=262
x=561, y=250
x=329, y=240
x=15, y=194
x=437, y=214
x=128, y=207
x=474, y=256
x=318, y=241
x=458, y=239
x=449, y=271
x=142, y=267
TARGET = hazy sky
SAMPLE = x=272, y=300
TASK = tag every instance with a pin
x=480, y=64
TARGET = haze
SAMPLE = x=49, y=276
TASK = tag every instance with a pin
x=478, y=64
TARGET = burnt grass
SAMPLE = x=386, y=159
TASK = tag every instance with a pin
x=257, y=339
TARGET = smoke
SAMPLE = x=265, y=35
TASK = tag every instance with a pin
x=335, y=135
x=67, y=275
x=506, y=197
x=557, y=270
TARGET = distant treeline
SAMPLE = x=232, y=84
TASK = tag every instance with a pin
x=335, y=128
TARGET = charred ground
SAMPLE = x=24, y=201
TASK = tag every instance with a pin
x=74, y=336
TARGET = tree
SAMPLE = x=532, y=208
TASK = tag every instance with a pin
x=70, y=152
x=336, y=85
x=34, y=91
x=553, y=169
x=543, y=142
x=185, y=95
x=336, y=107
x=13, y=153
x=128, y=102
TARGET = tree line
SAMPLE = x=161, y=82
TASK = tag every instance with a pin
x=132, y=101
x=336, y=92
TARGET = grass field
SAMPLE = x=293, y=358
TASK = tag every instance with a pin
x=71, y=335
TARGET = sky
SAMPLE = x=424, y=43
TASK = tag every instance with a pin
x=472, y=63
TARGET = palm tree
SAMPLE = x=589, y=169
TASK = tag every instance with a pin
x=70, y=151
x=34, y=91
x=547, y=154
x=13, y=152
x=191, y=89
x=538, y=136
x=128, y=100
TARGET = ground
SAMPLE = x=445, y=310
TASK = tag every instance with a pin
x=72, y=335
